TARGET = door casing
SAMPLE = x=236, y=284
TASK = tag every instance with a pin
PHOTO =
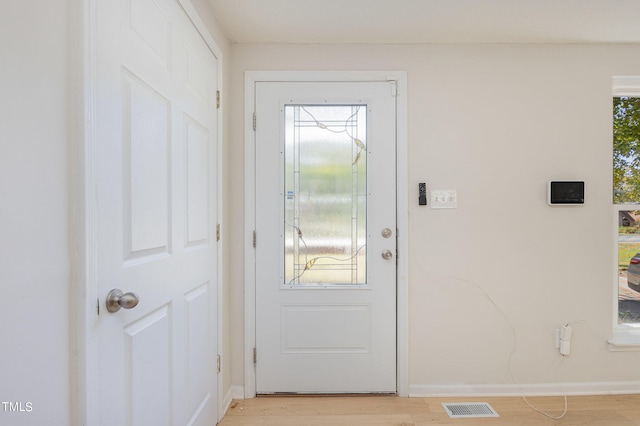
x=402, y=207
x=83, y=216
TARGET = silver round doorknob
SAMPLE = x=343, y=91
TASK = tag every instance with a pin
x=387, y=254
x=116, y=300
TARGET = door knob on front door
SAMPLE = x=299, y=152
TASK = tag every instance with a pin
x=116, y=300
x=387, y=254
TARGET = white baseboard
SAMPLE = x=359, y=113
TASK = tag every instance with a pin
x=237, y=392
x=234, y=392
x=538, y=389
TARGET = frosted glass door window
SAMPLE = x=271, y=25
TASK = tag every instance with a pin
x=325, y=195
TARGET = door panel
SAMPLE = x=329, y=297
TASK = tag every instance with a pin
x=156, y=130
x=197, y=302
x=146, y=130
x=353, y=321
x=325, y=189
x=197, y=145
x=147, y=354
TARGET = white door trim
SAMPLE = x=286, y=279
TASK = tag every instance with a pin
x=83, y=207
x=402, y=322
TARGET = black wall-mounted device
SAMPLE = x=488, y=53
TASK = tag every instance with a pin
x=565, y=193
x=422, y=194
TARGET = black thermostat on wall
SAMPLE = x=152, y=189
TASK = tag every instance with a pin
x=565, y=193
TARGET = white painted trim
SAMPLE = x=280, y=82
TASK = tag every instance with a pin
x=202, y=28
x=626, y=86
x=623, y=345
x=234, y=392
x=83, y=210
x=402, y=219
x=226, y=403
x=537, y=389
x=250, y=226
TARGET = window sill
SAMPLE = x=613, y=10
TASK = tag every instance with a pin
x=624, y=341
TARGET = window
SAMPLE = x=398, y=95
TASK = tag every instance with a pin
x=326, y=202
x=626, y=201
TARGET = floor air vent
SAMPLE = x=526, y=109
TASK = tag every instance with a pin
x=467, y=410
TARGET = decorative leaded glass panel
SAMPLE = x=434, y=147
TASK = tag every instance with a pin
x=325, y=189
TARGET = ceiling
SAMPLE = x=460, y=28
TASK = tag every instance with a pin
x=429, y=21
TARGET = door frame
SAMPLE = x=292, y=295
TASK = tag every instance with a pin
x=402, y=209
x=83, y=208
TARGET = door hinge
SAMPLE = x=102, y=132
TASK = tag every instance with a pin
x=98, y=306
x=255, y=356
x=218, y=232
x=254, y=121
x=218, y=363
x=394, y=86
x=254, y=239
x=217, y=99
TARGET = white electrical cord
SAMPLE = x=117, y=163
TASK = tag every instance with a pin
x=563, y=394
x=514, y=349
x=515, y=341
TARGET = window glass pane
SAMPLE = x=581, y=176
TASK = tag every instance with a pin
x=325, y=194
x=629, y=266
x=626, y=150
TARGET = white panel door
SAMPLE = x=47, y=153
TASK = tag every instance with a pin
x=326, y=237
x=156, y=138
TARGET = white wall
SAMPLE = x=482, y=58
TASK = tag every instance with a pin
x=34, y=254
x=503, y=270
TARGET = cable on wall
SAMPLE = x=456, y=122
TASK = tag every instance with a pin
x=514, y=337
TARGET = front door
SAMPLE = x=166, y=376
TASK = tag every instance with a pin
x=155, y=183
x=325, y=237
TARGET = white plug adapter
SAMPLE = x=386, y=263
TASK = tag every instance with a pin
x=565, y=340
x=565, y=333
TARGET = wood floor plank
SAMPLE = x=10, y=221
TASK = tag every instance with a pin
x=335, y=405
x=319, y=420
x=606, y=410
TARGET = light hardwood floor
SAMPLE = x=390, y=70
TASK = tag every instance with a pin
x=609, y=410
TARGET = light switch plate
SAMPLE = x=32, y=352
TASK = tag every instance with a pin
x=444, y=199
